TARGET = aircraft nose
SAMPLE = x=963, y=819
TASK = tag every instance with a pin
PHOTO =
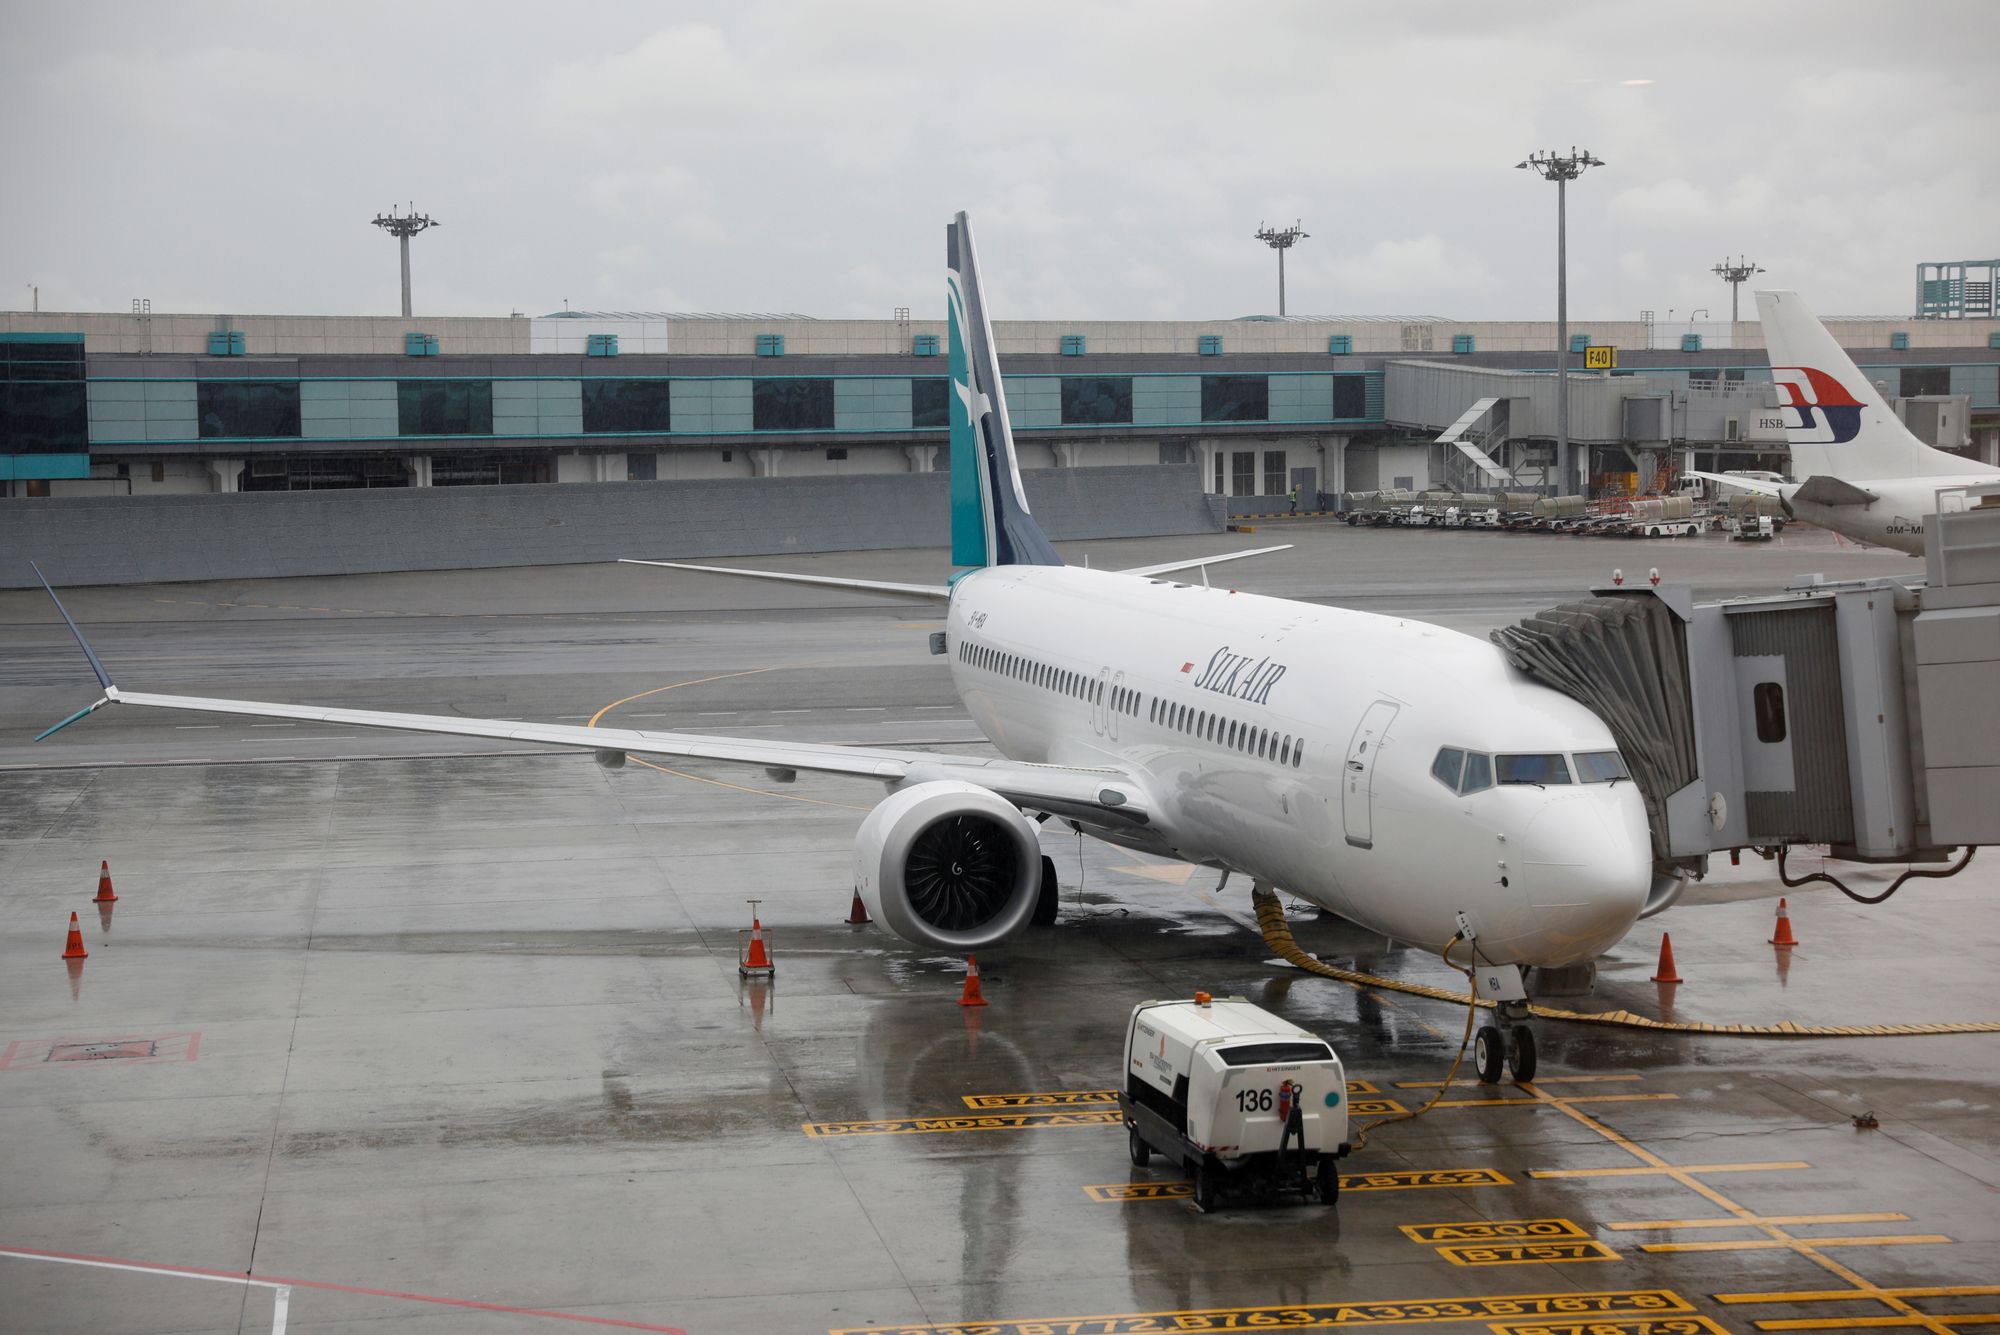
x=1587, y=864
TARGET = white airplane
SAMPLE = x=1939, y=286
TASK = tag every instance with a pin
x=1861, y=472
x=1400, y=775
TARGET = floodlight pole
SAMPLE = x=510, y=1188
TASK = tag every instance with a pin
x=1735, y=275
x=1281, y=241
x=403, y=228
x=1561, y=168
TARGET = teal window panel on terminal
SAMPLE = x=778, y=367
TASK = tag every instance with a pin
x=924, y=345
x=770, y=345
x=1340, y=345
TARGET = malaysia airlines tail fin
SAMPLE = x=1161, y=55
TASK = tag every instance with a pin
x=990, y=523
x=1838, y=423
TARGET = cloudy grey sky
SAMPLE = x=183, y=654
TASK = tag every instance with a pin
x=1116, y=157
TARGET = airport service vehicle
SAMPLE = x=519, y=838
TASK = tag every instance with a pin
x=1393, y=772
x=1752, y=528
x=1864, y=475
x=1246, y=1101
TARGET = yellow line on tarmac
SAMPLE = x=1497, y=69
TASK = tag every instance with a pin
x=1849, y=1323
x=1846, y=1295
x=1884, y=1217
x=1793, y=1244
x=1775, y=1166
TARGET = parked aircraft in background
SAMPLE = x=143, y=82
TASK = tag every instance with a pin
x=1403, y=776
x=1861, y=472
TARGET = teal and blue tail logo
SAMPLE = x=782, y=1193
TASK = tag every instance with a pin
x=990, y=523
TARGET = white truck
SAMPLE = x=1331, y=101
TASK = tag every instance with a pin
x=1246, y=1101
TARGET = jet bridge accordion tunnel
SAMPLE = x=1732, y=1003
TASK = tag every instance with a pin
x=1864, y=716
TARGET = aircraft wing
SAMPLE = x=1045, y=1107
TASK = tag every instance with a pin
x=1168, y=567
x=1106, y=795
x=936, y=593
x=1756, y=484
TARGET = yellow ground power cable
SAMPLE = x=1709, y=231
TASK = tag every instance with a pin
x=1278, y=936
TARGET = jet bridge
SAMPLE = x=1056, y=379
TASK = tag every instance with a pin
x=1863, y=715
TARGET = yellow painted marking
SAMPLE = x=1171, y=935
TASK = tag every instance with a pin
x=1117, y=1193
x=1528, y=1253
x=1657, y=1325
x=1404, y=1180
x=1485, y=1103
x=1845, y=1295
x=1781, y=1244
x=1883, y=1217
x=1493, y=1230
x=1120, y=1192
x=1171, y=875
x=1361, y=1087
x=1775, y=1166
x=1370, y=1107
x=1009, y=1121
x=1051, y=1099
x=1509, y=1308
x=1566, y=1098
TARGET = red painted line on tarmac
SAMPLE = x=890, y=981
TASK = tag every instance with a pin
x=203, y=1272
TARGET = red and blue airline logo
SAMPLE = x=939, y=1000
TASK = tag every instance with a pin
x=1818, y=409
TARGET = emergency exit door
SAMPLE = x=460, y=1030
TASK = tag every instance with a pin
x=1357, y=776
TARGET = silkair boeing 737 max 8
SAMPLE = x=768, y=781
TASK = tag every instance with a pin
x=1861, y=473
x=1393, y=772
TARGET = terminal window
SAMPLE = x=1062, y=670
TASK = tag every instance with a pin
x=43, y=409
x=1235, y=398
x=1090, y=399
x=791, y=405
x=928, y=406
x=1275, y=479
x=1243, y=473
x=444, y=407
x=230, y=409
x=627, y=405
x=1925, y=380
x=1350, y=396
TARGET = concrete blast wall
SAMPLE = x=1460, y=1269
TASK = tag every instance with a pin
x=159, y=539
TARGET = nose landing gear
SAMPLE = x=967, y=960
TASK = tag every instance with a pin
x=1511, y=1043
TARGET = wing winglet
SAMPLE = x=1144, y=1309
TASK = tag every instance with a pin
x=103, y=677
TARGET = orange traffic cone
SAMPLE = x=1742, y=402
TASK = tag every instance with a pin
x=1784, y=936
x=74, y=950
x=104, y=893
x=971, y=995
x=755, y=962
x=1666, y=972
x=857, y=914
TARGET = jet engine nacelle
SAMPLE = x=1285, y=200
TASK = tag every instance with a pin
x=948, y=864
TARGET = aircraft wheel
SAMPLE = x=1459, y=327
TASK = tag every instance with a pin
x=1206, y=1188
x=1521, y=1053
x=1048, y=901
x=1488, y=1053
x=1136, y=1146
x=1328, y=1183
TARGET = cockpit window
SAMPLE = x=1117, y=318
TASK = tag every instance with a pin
x=1543, y=769
x=1600, y=767
x=1478, y=773
x=1446, y=767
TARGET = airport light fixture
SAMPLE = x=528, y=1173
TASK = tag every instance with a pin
x=1281, y=241
x=403, y=227
x=1735, y=275
x=1562, y=168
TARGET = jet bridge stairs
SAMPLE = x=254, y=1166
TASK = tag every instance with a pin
x=1861, y=715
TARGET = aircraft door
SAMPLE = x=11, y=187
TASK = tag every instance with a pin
x=1357, y=776
x=1113, y=697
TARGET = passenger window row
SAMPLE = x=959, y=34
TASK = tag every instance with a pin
x=1280, y=748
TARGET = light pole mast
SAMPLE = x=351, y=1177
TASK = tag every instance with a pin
x=1281, y=241
x=1561, y=168
x=1735, y=275
x=403, y=228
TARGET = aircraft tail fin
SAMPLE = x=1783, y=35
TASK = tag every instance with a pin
x=1838, y=423
x=990, y=523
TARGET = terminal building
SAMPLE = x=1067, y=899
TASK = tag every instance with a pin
x=148, y=404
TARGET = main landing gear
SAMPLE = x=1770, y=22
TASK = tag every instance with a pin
x=1511, y=1043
